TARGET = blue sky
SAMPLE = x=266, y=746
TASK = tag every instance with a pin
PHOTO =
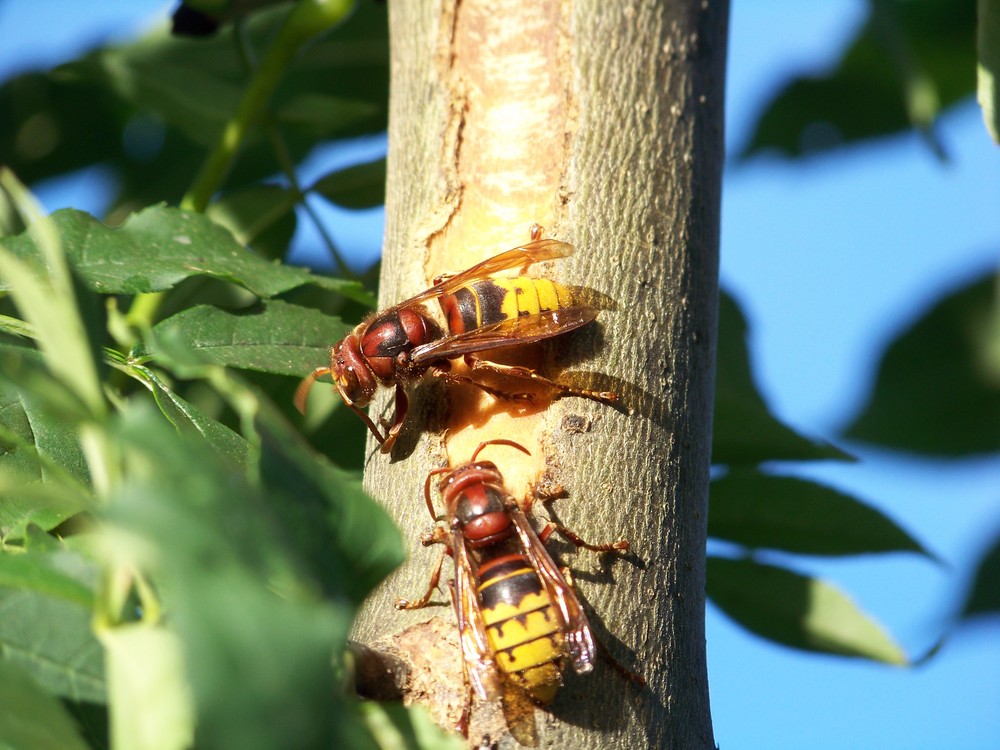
x=830, y=258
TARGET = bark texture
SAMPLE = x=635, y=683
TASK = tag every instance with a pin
x=602, y=122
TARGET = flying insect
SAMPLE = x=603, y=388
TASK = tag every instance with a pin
x=404, y=344
x=519, y=618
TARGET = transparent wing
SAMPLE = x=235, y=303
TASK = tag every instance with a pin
x=477, y=661
x=525, y=329
x=518, y=257
x=576, y=629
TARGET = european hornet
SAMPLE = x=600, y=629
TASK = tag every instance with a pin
x=401, y=345
x=519, y=618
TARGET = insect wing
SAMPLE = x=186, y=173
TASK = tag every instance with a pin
x=576, y=629
x=525, y=329
x=519, y=257
x=477, y=661
x=519, y=713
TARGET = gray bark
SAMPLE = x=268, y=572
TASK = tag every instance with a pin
x=615, y=119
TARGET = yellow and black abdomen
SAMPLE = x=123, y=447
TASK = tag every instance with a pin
x=521, y=625
x=493, y=300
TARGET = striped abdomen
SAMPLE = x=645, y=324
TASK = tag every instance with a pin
x=493, y=300
x=521, y=625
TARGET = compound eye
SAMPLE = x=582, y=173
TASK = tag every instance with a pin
x=354, y=382
x=350, y=388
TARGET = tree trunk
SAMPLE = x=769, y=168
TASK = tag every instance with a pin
x=603, y=122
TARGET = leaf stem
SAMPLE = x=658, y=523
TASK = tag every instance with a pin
x=308, y=19
x=142, y=311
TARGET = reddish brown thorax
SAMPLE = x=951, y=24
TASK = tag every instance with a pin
x=377, y=350
x=475, y=498
x=387, y=341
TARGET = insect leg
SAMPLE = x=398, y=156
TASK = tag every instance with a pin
x=462, y=725
x=427, y=488
x=628, y=674
x=576, y=540
x=534, y=234
x=456, y=379
x=398, y=417
x=431, y=587
x=524, y=373
x=620, y=668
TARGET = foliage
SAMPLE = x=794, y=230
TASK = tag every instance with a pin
x=762, y=511
x=907, y=62
x=938, y=386
x=988, y=70
x=177, y=563
x=953, y=348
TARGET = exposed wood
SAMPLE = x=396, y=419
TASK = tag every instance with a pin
x=603, y=122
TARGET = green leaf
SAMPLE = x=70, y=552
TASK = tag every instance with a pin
x=251, y=212
x=346, y=540
x=938, y=385
x=988, y=69
x=144, y=73
x=195, y=85
x=159, y=247
x=46, y=504
x=359, y=186
x=31, y=718
x=36, y=153
x=984, y=596
x=16, y=327
x=273, y=336
x=147, y=688
x=51, y=638
x=38, y=434
x=322, y=116
x=795, y=515
x=909, y=60
x=43, y=474
x=85, y=114
x=745, y=431
x=190, y=420
x=365, y=544
x=797, y=611
x=45, y=295
x=59, y=574
x=258, y=640
x=407, y=727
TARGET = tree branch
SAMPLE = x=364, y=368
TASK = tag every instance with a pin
x=603, y=122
